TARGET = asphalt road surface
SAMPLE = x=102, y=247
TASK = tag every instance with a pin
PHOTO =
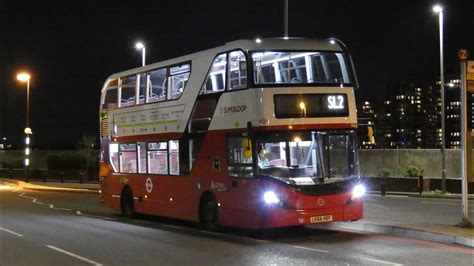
x=56, y=228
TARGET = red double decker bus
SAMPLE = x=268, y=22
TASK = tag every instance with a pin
x=253, y=134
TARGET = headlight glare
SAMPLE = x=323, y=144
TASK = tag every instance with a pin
x=358, y=191
x=270, y=197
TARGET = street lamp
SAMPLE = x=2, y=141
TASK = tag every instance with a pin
x=140, y=46
x=438, y=9
x=26, y=77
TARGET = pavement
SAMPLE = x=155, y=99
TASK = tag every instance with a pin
x=378, y=217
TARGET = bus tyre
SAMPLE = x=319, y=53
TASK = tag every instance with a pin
x=208, y=215
x=126, y=201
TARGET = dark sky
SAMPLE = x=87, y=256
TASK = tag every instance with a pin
x=70, y=47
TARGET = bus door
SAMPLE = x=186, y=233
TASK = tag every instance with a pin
x=241, y=202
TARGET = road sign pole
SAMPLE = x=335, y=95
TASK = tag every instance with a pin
x=464, y=138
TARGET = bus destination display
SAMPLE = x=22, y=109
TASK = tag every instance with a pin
x=310, y=105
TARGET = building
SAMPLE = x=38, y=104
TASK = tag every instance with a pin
x=407, y=120
x=411, y=117
x=452, y=103
x=366, y=117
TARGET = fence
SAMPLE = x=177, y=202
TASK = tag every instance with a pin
x=371, y=162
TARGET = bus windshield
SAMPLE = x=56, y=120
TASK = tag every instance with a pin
x=307, y=158
x=296, y=68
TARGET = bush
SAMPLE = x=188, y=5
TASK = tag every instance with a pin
x=14, y=164
x=414, y=170
x=65, y=161
x=385, y=172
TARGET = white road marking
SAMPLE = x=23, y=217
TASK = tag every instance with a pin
x=311, y=249
x=61, y=209
x=73, y=255
x=380, y=206
x=11, y=232
x=34, y=200
x=234, y=236
x=96, y=216
x=443, y=203
x=383, y=262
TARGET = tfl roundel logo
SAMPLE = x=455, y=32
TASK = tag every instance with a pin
x=320, y=202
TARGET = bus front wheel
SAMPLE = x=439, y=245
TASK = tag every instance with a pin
x=208, y=215
x=128, y=210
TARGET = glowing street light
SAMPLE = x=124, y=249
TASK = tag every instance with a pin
x=140, y=46
x=438, y=9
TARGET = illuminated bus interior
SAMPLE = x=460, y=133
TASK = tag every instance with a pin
x=300, y=67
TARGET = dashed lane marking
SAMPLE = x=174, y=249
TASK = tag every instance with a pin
x=96, y=216
x=379, y=206
x=74, y=255
x=11, y=232
x=442, y=203
x=51, y=206
x=383, y=262
x=61, y=209
x=311, y=249
x=236, y=236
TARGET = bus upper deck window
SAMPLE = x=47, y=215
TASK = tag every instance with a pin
x=110, y=98
x=177, y=80
x=127, y=91
x=294, y=68
x=142, y=82
x=215, y=80
x=237, y=70
x=157, y=85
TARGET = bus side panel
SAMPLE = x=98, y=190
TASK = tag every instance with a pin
x=234, y=195
x=179, y=194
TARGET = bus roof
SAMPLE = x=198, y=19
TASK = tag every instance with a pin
x=246, y=45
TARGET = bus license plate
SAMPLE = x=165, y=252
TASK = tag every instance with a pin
x=321, y=219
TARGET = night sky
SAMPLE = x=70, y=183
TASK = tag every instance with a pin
x=71, y=47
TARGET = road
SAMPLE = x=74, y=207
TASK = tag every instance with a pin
x=55, y=228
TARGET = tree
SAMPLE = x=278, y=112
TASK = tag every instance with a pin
x=86, y=147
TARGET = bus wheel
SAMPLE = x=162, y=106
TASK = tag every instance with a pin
x=126, y=201
x=208, y=215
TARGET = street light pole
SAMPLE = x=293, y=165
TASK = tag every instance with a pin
x=438, y=9
x=140, y=46
x=28, y=103
x=28, y=132
x=286, y=19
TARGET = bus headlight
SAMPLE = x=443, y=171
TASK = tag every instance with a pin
x=358, y=191
x=270, y=197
